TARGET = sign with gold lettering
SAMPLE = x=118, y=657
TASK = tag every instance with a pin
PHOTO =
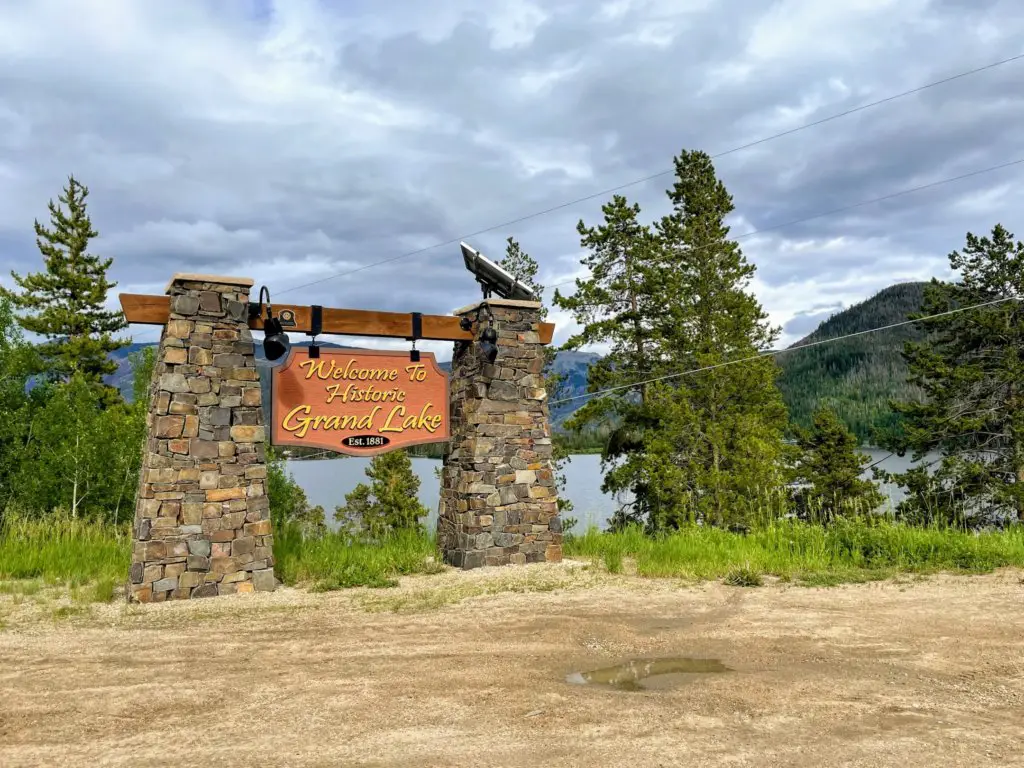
x=359, y=402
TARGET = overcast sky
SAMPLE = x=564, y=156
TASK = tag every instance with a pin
x=289, y=140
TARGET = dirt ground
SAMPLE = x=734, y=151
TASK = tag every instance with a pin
x=457, y=670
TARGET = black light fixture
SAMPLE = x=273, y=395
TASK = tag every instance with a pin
x=488, y=344
x=276, y=343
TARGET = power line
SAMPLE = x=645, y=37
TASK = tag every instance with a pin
x=757, y=142
x=653, y=176
x=850, y=207
x=770, y=352
x=317, y=455
x=843, y=209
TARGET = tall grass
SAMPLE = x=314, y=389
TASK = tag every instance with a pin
x=59, y=550
x=761, y=506
x=336, y=561
x=76, y=553
x=847, y=550
x=62, y=549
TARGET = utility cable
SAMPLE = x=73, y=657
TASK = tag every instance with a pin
x=770, y=352
x=604, y=192
x=845, y=208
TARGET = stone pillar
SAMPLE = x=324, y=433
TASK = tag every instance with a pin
x=498, y=499
x=202, y=517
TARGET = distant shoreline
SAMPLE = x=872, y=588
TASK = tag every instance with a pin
x=575, y=452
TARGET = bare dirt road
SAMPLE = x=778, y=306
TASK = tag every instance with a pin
x=452, y=670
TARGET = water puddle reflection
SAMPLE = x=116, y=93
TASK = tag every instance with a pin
x=648, y=674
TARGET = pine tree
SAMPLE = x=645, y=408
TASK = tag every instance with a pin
x=522, y=266
x=970, y=367
x=64, y=303
x=616, y=306
x=721, y=441
x=831, y=467
x=389, y=502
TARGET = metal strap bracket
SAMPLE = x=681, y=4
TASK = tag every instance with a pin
x=417, y=333
x=316, y=326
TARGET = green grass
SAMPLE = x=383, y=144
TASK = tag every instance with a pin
x=335, y=561
x=743, y=576
x=848, y=551
x=90, y=559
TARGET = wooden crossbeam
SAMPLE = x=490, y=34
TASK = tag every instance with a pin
x=155, y=310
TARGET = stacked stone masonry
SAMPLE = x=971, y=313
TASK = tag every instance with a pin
x=498, y=498
x=202, y=520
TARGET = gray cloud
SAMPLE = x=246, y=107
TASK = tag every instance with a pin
x=295, y=140
x=804, y=322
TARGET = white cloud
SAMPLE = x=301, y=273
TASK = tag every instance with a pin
x=800, y=29
x=537, y=82
x=515, y=25
x=981, y=202
x=318, y=137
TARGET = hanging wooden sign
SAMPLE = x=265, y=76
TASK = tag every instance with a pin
x=359, y=403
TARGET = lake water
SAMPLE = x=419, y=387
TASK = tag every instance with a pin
x=326, y=481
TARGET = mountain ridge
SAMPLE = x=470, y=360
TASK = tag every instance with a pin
x=855, y=376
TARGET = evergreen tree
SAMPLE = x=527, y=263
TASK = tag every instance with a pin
x=831, y=466
x=64, y=303
x=720, y=448
x=970, y=367
x=522, y=266
x=389, y=502
x=616, y=306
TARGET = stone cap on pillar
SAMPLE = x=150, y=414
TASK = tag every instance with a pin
x=511, y=303
x=192, y=277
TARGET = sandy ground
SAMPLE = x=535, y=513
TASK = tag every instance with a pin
x=453, y=670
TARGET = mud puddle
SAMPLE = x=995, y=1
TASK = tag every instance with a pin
x=648, y=674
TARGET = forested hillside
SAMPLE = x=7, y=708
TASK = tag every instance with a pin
x=855, y=376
